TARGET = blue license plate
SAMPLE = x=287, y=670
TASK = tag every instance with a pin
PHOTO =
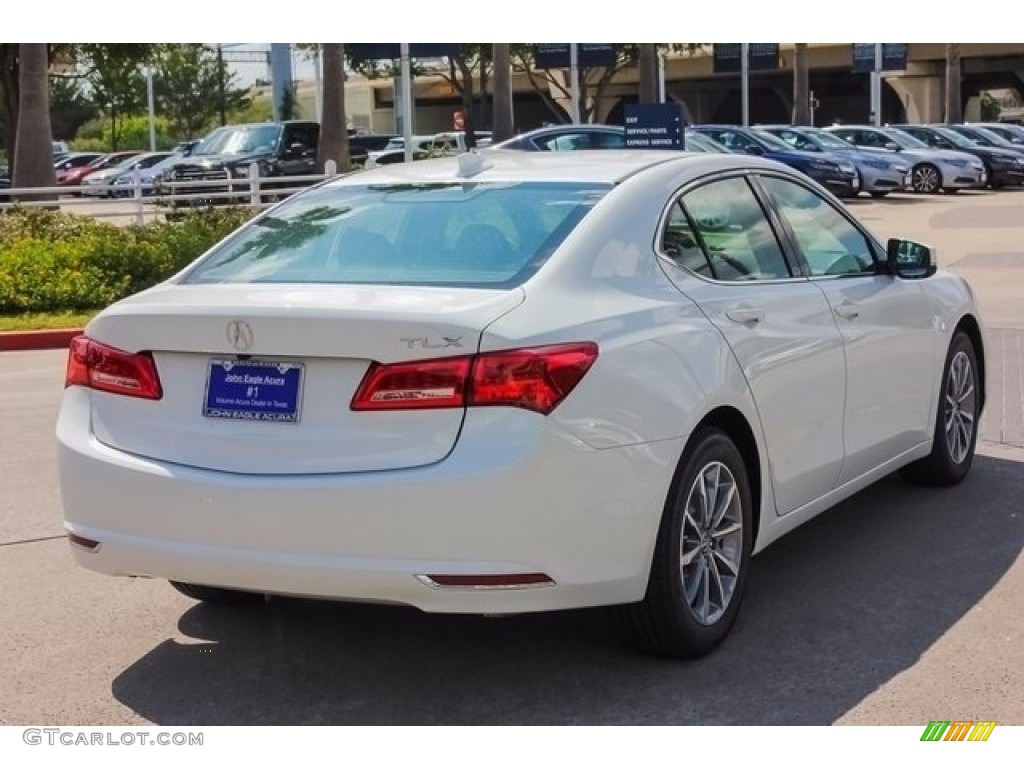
x=253, y=390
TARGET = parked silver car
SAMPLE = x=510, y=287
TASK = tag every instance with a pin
x=879, y=175
x=931, y=170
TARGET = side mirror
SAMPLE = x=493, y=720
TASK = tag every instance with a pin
x=754, y=149
x=910, y=260
x=892, y=145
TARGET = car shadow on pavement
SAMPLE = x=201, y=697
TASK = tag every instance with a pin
x=833, y=611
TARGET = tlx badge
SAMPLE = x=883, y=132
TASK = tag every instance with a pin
x=424, y=342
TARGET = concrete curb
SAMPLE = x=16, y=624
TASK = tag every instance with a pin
x=58, y=338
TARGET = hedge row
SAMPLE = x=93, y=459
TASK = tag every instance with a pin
x=51, y=261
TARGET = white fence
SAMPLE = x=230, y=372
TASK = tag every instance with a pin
x=137, y=201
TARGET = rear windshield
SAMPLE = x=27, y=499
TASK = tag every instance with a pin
x=461, y=234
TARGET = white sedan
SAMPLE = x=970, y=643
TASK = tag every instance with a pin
x=514, y=382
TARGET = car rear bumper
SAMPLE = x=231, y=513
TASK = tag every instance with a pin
x=517, y=495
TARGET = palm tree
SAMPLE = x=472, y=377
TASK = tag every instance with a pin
x=333, y=126
x=33, y=151
x=502, y=104
x=647, y=56
x=801, y=85
x=953, y=108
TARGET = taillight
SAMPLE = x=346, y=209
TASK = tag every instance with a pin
x=97, y=366
x=536, y=378
x=424, y=384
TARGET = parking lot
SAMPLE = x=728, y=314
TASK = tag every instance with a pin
x=900, y=606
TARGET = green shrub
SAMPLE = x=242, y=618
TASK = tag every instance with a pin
x=51, y=261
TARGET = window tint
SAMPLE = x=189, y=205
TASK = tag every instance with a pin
x=731, y=139
x=489, y=235
x=610, y=140
x=680, y=243
x=830, y=244
x=733, y=228
x=563, y=142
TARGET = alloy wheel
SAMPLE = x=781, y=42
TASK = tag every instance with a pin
x=926, y=179
x=711, y=544
x=959, y=411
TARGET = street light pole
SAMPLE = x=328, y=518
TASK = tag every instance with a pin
x=574, y=76
x=220, y=84
x=152, y=109
x=745, y=81
x=876, y=87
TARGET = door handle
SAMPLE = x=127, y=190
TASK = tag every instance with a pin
x=745, y=314
x=847, y=311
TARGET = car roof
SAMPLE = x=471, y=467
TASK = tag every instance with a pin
x=608, y=166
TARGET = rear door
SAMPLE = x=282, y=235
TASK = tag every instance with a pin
x=778, y=325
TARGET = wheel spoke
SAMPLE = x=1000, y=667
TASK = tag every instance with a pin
x=734, y=568
x=688, y=555
x=716, y=579
x=728, y=530
x=705, y=593
x=723, y=506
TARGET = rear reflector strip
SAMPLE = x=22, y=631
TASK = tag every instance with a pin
x=84, y=543
x=486, y=580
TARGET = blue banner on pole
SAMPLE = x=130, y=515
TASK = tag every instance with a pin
x=654, y=126
x=894, y=57
x=557, y=56
x=727, y=57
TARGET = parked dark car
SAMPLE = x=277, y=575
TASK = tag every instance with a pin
x=986, y=137
x=837, y=175
x=1002, y=166
x=277, y=149
x=1012, y=132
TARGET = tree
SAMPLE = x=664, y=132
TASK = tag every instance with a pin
x=648, y=75
x=33, y=152
x=554, y=85
x=189, y=88
x=116, y=82
x=501, y=120
x=801, y=85
x=70, y=108
x=954, y=110
x=333, y=125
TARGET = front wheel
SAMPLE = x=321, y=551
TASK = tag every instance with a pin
x=925, y=178
x=701, y=555
x=956, y=423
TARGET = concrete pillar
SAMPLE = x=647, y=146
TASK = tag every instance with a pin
x=922, y=96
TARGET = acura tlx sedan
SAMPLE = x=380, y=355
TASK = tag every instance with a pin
x=510, y=382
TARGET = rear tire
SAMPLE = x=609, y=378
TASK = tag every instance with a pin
x=217, y=595
x=701, y=556
x=956, y=420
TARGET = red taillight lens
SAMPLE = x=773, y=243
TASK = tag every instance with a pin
x=97, y=366
x=537, y=379
x=424, y=384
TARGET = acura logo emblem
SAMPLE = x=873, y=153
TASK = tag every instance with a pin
x=240, y=335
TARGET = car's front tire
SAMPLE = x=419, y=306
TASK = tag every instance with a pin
x=217, y=595
x=701, y=555
x=956, y=422
x=926, y=179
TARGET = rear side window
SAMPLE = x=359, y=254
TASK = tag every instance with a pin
x=463, y=234
x=729, y=223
